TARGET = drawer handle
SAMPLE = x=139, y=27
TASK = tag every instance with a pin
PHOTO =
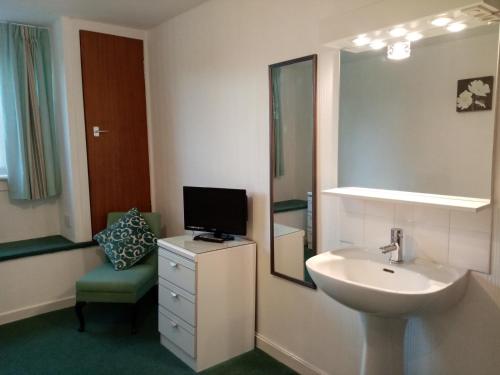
x=174, y=295
x=173, y=265
x=174, y=324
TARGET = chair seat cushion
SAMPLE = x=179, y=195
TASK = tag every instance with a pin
x=105, y=284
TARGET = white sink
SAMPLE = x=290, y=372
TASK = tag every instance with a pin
x=386, y=295
x=365, y=281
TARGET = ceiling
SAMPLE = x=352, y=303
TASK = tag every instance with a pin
x=142, y=14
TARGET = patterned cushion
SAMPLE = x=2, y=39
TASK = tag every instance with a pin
x=127, y=241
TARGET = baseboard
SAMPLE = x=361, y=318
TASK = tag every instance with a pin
x=284, y=356
x=42, y=308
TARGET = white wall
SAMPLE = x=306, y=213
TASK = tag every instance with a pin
x=22, y=220
x=407, y=108
x=210, y=123
x=38, y=284
x=209, y=82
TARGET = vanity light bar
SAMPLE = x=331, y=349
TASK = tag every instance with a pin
x=397, y=36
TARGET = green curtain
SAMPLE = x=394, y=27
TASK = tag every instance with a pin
x=27, y=102
x=279, y=164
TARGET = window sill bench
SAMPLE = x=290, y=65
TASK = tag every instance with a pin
x=289, y=205
x=38, y=246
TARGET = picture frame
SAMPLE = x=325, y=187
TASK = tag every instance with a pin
x=474, y=94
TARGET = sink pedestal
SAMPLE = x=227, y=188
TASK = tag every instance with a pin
x=364, y=281
x=383, y=348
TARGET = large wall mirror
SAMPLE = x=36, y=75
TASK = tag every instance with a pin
x=292, y=91
x=423, y=124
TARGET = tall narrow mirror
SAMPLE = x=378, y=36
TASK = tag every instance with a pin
x=292, y=91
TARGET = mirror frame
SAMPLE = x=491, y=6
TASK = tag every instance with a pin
x=314, y=59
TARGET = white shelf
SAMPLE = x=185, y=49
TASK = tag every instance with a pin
x=447, y=201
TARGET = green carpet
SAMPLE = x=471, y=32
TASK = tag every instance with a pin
x=50, y=344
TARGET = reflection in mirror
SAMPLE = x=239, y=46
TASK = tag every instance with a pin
x=292, y=181
x=423, y=124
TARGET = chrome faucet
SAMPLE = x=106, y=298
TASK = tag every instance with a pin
x=395, y=247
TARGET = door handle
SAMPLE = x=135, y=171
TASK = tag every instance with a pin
x=97, y=131
x=174, y=295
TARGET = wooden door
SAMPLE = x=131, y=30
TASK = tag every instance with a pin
x=115, y=101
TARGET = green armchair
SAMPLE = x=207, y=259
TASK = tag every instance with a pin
x=104, y=284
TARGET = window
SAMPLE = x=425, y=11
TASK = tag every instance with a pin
x=3, y=163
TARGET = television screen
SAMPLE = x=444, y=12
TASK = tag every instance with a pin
x=220, y=211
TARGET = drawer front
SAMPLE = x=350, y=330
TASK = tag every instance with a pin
x=177, y=270
x=175, y=331
x=173, y=300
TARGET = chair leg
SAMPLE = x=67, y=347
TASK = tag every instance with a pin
x=79, y=313
x=134, y=319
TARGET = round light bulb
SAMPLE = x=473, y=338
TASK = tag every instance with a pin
x=399, y=51
x=361, y=40
x=441, y=21
x=456, y=27
x=414, y=36
x=398, y=31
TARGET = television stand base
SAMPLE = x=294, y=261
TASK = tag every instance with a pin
x=212, y=237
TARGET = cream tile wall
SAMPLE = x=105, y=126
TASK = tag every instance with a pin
x=461, y=239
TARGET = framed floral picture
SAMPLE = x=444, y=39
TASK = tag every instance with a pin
x=475, y=94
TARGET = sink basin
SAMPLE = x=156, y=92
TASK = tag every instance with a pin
x=385, y=295
x=367, y=282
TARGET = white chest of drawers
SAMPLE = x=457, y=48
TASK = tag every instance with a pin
x=206, y=292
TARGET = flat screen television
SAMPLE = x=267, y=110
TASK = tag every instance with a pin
x=221, y=212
